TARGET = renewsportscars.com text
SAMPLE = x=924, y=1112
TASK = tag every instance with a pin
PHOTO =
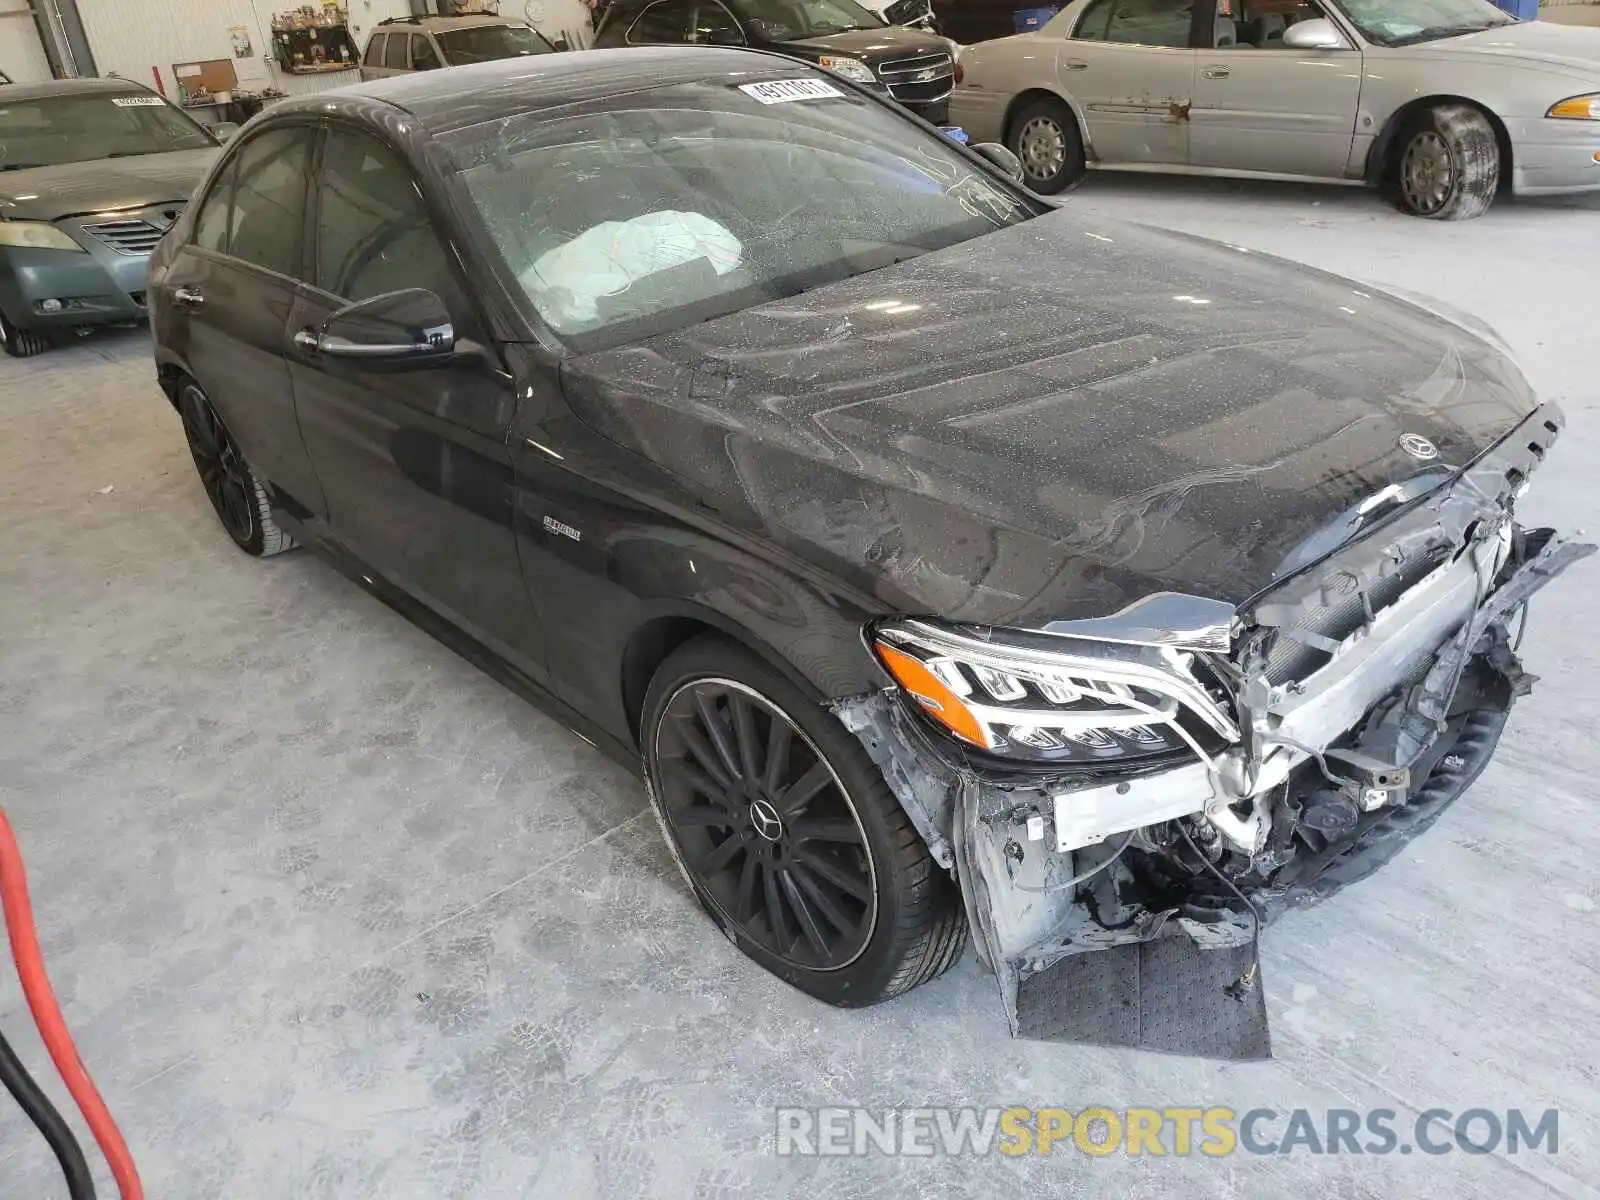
x=1215, y=1132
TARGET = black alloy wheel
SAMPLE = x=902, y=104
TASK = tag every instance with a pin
x=787, y=832
x=231, y=486
x=765, y=824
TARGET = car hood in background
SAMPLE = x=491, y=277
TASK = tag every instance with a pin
x=102, y=185
x=1570, y=49
x=869, y=45
x=1056, y=419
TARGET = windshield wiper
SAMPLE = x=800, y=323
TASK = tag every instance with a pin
x=1439, y=32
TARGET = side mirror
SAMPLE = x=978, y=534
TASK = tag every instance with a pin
x=225, y=131
x=1001, y=157
x=1316, y=34
x=394, y=331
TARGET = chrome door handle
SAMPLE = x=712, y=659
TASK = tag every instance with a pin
x=188, y=297
x=1075, y=64
x=1215, y=73
x=307, y=339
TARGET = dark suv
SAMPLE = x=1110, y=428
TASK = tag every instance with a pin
x=917, y=68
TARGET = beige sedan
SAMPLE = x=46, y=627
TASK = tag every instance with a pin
x=1442, y=103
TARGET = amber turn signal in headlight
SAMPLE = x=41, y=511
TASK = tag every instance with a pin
x=1578, y=108
x=937, y=700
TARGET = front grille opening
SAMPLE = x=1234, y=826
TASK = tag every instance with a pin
x=126, y=237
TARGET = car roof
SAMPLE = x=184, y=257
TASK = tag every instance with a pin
x=469, y=95
x=70, y=87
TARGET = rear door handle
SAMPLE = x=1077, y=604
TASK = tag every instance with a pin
x=188, y=297
x=1075, y=64
x=307, y=340
x=1215, y=73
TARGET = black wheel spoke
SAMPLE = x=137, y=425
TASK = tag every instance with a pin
x=744, y=735
x=699, y=781
x=820, y=830
x=722, y=855
x=803, y=914
x=780, y=932
x=706, y=757
x=717, y=730
x=820, y=865
x=703, y=816
x=819, y=897
x=779, y=738
x=745, y=899
x=803, y=790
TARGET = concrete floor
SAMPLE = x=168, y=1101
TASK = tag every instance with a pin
x=334, y=915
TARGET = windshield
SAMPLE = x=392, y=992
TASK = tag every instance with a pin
x=481, y=43
x=784, y=20
x=49, y=130
x=663, y=208
x=1406, y=22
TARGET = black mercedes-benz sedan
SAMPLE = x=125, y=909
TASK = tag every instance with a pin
x=944, y=558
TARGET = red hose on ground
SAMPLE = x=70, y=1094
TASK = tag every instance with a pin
x=47, y=1015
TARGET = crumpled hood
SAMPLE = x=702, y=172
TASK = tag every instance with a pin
x=103, y=185
x=1056, y=419
x=1571, y=49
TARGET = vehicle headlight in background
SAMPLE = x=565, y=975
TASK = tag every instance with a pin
x=1578, y=108
x=1085, y=703
x=37, y=235
x=850, y=68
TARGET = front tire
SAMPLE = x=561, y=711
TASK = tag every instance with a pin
x=21, y=343
x=1044, y=136
x=787, y=833
x=1447, y=164
x=231, y=484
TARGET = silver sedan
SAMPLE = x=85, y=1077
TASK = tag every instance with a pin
x=1442, y=103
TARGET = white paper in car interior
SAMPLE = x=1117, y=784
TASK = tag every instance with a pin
x=568, y=282
x=138, y=101
x=782, y=91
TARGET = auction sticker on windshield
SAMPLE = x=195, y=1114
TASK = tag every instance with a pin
x=138, y=101
x=781, y=91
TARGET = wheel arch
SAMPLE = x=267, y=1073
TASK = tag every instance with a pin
x=1028, y=96
x=1380, y=158
x=654, y=639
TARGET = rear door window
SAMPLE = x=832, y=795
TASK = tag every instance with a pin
x=1138, y=22
x=394, y=56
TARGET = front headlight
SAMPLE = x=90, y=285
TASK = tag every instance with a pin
x=37, y=235
x=1578, y=108
x=850, y=68
x=1084, y=703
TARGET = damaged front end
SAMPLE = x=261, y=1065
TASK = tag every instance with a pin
x=1154, y=785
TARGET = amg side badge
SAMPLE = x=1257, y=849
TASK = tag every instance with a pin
x=561, y=527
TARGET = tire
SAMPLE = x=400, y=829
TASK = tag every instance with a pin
x=1446, y=164
x=21, y=343
x=829, y=820
x=1044, y=135
x=231, y=484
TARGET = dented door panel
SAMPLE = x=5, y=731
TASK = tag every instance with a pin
x=1134, y=99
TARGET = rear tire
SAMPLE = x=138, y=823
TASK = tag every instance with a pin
x=797, y=820
x=21, y=343
x=1044, y=136
x=1446, y=164
x=231, y=484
